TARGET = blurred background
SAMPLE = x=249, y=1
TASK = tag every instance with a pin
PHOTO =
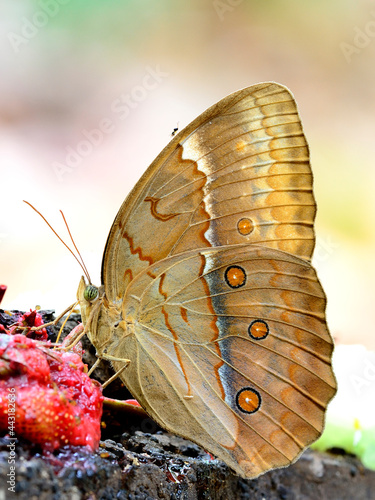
x=90, y=92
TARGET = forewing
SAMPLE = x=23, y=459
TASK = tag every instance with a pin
x=239, y=173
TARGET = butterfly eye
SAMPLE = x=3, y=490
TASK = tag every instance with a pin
x=90, y=293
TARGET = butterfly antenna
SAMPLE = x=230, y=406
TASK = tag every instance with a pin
x=62, y=241
x=75, y=246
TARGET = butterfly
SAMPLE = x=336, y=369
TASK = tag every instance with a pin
x=209, y=308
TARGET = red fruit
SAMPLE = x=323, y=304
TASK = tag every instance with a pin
x=48, y=393
x=2, y=291
x=31, y=319
x=24, y=323
x=133, y=402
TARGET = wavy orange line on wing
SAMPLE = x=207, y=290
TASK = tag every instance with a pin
x=175, y=336
x=155, y=213
x=138, y=250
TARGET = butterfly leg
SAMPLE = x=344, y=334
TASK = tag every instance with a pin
x=110, y=358
x=94, y=366
x=56, y=320
x=118, y=373
x=74, y=337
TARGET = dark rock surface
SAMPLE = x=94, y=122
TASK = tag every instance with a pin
x=139, y=461
x=161, y=466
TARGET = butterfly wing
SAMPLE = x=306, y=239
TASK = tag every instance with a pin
x=238, y=173
x=229, y=348
x=209, y=291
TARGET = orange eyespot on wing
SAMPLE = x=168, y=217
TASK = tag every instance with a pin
x=235, y=276
x=248, y=400
x=245, y=226
x=258, y=329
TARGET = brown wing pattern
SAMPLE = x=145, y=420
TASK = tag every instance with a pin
x=202, y=338
x=238, y=173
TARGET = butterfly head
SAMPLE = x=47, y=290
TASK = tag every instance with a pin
x=88, y=296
